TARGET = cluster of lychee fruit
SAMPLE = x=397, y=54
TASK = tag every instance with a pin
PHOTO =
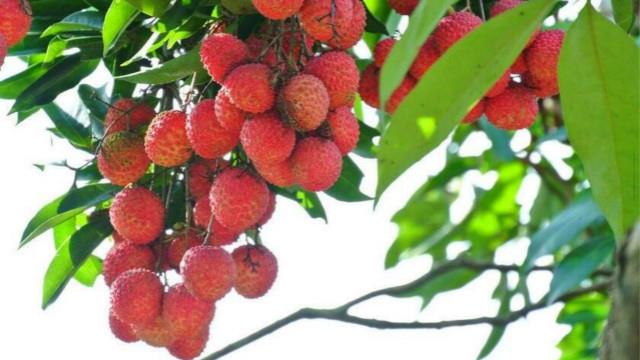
x=512, y=102
x=282, y=117
x=15, y=21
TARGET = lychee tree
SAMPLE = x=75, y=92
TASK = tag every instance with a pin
x=212, y=111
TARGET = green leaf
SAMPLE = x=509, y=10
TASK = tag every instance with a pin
x=500, y=140
x=445, y=282
x=421, y=23
x=598, y=72
x=623, y=13
x=151, y=7
x=169, y=71
x=374, y=25
x=497, y=331
x=56, y=8
x=12, y=87
x=308, y=200
x=454, y=83
x=119, y=16
x=578, y=265
x=95, y=99
x=62, y=76
x=347, y=188
x=70, y=128
x=71, y=256
x=89, y=271
x=89, y=20
x=587, y=316
x=365, y=141
x=563, y=228
x=66, y=207
x=90, y=47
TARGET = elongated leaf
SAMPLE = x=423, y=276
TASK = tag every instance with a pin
x=347, y=188
x=70, y=128
x=71, y=256
x=454, y=83
x=95, y=99
x=599, y=68
x=365, y=142
x=170, y=71
x=446, y=282
x=89, y=271
x=309, y=201
x=150, y=7
x=90, y=20
x=504, y=295
x=12, y=87
x=374, y=25
x=624, y=13
x=120, y=14
x=578, y=265
x=382, y=12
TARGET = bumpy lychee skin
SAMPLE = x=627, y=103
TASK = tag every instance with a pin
x=453, y=28
x=516, y=108
x=208, y=272
x=339, y=74
x=350, y=32
x=137, y=214
x=266, y=139
x=427, y=56
x=118, y=239
x=542, y=61
x=227, y=114
x=136, y=297
x=122, y=158
x=124, y=332
x=403, y=7
x=271, y=208
x=500, y=85
x=207, y=137
x=317, y=20
x=3, y=50
x=382, y=50
x=156, y=333
x=345, y=129
x=166, y=142
x=304, y=102
x=519, y=66
x=220, y=53
x=317, y=163
x=180, y=243
x=475, y=113
x=399, y=94
x=201, y=173
x=238, y=199
x=15, y=20
x=277, y=9
x=257, y=269
x=279, y=174
x=127, y=114
x=369, y=84
x=189, y=348
x=292, y=44
x=126, y=256
x=187, y=315
x=250, y=88
x=220, y=235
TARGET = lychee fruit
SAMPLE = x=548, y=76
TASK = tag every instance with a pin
x=220, y=53
x=427, y=56
x=156, y=333
x=256, y=269
x=317, y=163
x=136, y=297
x=279, y=174
x=127, y=115
x=208, y=272
x=321, y=18
x=453, y=28
x=228, y=115
x=400, y=93
x=180, y=243
x=345, y=130
x=187, y=315
x=277, y=9
x=126, y=256
x=220, y=235
x=137, y=214
x=519, y=66
x=121, y=330
x=349, y=32
x=369, y=86
x=339, y=74
x=250, y=88
x=201, y=173
x=238, y=199
x=403, y=7
x=3, y=50
x=500, y=85
x=208, y=139
x=189, y=348
x=271, y=208
x=516, y=108
x=166, y=142
x=266, y=139
x=122, y=158
x=118, y=239
x=382, y=50
x=304, y=102
x=475, y=113
x=542, y=61
x=15, y=20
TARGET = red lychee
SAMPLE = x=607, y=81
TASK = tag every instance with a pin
x=317, y=163
x=187, y=315
x=500, y=85
x=339, y=74
x=250, y=88
x=220, y=235
x=238, y=199
x=136, y=297
x=266, y=139
x=403, y=7
x=137, y=214
x=475, y=113
x=127, y=114
x=180, y=243
x=3, y=50
x=271, y=208
x=156, y=333
x=208, y=139
x=279, y=174
x=201, y=173
x=121, y=330
x=516, y=108
x=166, y=142
x=400, y=93
x=350, y=31
x=519, y=66
x=382, y=50
x=118, y=239
x=542, y=62
x=208, y=272
x=369, y=86
x=345, y=130
x=227, y=114
x=126, y=256
x=15, y=20
x=291, y=43
x=256, y=269
x=304, y=102
x=453, y=28
x=122, y=158
x=277, y=9
x=321, y=18
x=427, y=56
x=189, y=348
x=220, y=53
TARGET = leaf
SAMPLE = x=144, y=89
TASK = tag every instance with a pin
x=86, y=20
x=422, y=21
x=95, y=99
x=70, y=128
x=623, y=13
x=445, y=282
x=374, y=25
x=71, y=256
x=66, y=207
x=12, y=87
x=56, y=8
x=563, y=228
x=347, y=188
x=598, y=74
x=500, y=140
x=505, y=295
x=89, y=271
x=587, y=316
x=150, y=7
x=457, y=80
x=365, y=142
x=90, y=47
x=169, y=71
x=308, y=200
x=119, y=16
x=578, y=265
x=62, y=76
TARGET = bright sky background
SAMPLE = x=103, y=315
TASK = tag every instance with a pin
x=320, y=266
